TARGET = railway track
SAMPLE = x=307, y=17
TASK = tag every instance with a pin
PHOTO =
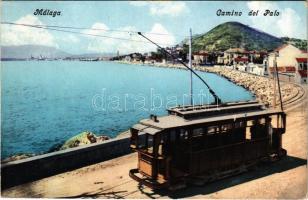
x=297, y=100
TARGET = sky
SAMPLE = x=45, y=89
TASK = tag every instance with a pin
x=172, y=20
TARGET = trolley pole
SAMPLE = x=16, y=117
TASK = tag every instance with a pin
x=190, y=66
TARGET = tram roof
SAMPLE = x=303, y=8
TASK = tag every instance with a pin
x=172, y=121
x=190, y=112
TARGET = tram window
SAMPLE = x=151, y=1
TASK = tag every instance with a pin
x=239, y=124
x=150, y=144
x=257, y=128
x=212, y=130
x=226, y=128
x=172, y=135
x=160, y=149
x=134, y=137
x=262, y=121
x=141, y=141
x=145, y=142
x=183, y=134
x=197, y=132
x=277, y=121
x=248, y=133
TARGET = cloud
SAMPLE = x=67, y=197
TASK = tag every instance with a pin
x=164, y=37
x=72, y=38
x=138, y=3
x=163, y=8
x=97, y=28
x=21, y=35
x=288, y=23
x=168, y=8
x=139, y=44
x=261, y=5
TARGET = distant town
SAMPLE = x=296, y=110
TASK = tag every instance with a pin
x=231, y=44
x=291, y=61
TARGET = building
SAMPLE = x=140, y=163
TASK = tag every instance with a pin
x=286, y=61
x=258, y=69
x=240, y=61
x=177, y=52
x=127, y=58
x=291, y=61
x=231, y=54
x=200, y=58
x=301, y=69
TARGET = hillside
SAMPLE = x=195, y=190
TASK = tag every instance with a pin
x=234, y=34
x=26, y=51
x=301, y=44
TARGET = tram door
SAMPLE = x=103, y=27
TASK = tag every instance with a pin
x=278, y=123
x=146, y=161
x=177, y=158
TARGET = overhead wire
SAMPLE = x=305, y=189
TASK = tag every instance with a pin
x=60, y=29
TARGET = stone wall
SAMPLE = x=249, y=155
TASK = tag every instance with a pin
x=37, y=167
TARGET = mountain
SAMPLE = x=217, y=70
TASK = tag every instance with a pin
x=233, y=35
x=36, y=51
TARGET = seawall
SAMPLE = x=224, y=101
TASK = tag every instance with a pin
x=261, y=86
x=38, y=167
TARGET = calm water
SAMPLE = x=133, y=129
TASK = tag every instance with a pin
x=44, y=103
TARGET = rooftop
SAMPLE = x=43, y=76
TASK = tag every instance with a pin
x=204, y=114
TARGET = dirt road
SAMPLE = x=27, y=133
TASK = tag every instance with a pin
x=284, y=179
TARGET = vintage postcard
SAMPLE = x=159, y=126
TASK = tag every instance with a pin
x=154, y=99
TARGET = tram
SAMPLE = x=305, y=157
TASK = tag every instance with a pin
x=198, y=144
x=201, y=143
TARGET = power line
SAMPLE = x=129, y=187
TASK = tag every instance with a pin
x=83, y=28
x=75, y=32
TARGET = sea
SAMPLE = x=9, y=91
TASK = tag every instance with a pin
x=44, y=103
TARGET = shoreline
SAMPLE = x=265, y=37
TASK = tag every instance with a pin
x=261, y=86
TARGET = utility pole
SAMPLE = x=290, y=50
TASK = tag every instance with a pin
x=278, y=82
x=274, y=79
x=190, y=66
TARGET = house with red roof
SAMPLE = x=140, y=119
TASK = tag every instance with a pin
x=291, y=61
x=200, y=57
x=231, y=54
x=301, y=68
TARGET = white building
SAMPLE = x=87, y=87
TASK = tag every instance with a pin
x=301, y=69
x=290, y=61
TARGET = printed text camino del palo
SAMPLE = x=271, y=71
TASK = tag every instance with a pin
x=221, y=12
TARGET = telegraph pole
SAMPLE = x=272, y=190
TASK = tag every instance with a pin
x=190, y=66
x=274, y=79
x=278, y=82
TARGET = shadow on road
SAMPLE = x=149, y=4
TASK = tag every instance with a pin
x=105, y=195
x=262, y=170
